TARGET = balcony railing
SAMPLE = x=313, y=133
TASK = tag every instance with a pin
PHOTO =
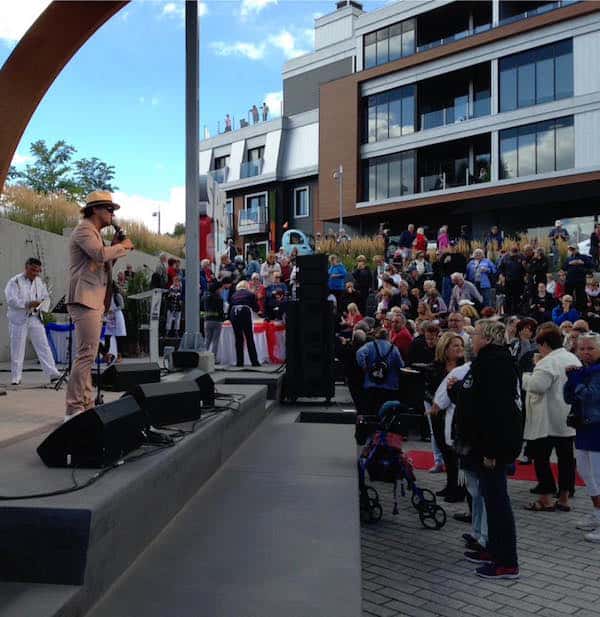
x=249, y=169
x=544, y=8
x=455, y=113
x=252, y=221
x=454, y=37
x=220, y=175
x=440, y=182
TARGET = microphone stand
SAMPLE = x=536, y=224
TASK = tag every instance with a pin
x=65, y=374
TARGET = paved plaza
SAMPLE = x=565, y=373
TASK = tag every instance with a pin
x=408, y=570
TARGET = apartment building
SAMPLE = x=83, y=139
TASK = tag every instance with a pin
x=467, y=113
x=438, y=112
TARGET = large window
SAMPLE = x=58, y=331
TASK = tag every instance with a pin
x=301, y=202
x=256, y=202
x=537, y=76
x=389, y=114
x=538, y=148
x=221, y=162
x=389, y=176
x=389, y=44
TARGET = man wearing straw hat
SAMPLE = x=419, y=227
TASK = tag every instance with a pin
x=90, y=271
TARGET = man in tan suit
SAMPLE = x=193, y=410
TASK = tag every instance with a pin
x=90, y=270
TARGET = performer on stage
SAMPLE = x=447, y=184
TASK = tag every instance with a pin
x=90, y=292
x=27, y=297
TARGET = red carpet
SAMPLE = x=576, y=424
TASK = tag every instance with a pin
x=423, y=459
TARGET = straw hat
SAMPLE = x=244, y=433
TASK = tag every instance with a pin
x=100, y=198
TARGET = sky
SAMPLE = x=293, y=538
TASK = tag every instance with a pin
x=122, y=96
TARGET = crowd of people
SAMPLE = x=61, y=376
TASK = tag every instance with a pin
x=499, y=383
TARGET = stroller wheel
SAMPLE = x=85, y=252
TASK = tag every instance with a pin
x=422, y=497
x=433, y=517
x=372, y=494
x=375, y=512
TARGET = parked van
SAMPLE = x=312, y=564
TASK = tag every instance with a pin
x=296, y=239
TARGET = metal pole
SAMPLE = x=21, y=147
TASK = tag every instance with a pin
x=192, y=338
x=159, y=220
x=341, y=180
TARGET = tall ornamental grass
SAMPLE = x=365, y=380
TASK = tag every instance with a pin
x=54, y=213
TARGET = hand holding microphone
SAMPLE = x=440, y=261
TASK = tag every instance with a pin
x=121, y=238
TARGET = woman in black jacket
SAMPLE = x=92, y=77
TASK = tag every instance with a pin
x=449, y=353
x=241, y=306
x=363, y=282
x=211, y=310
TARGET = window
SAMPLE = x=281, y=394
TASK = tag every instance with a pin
x=389, y=44
x=537, y=148
x=301, y=202
x=537, y=76
x=255, y=202
x=389, y=176
x=229, y=214
x=221, y=162
x=389, y=114
x=255, y=154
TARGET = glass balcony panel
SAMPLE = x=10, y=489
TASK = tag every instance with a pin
x=250, y=169
x=434, y=182
x=220, y=175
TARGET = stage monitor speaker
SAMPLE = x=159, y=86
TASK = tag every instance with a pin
x=124, y=377
x=312, y=269
x=205, y=384
x=97, y=437
x=186, y=359
x=169, y=402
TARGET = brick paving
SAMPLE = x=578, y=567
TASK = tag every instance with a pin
x=412, y=571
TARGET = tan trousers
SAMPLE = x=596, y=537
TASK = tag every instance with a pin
x=88, y=326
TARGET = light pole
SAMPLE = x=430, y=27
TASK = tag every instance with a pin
x=157, y=214
x=339, y=176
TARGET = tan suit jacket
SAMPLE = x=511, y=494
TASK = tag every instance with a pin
x=90, y=267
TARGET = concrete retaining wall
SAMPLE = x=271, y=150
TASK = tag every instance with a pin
x=18, y=242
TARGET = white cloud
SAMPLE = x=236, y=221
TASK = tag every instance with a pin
x=176, y=10
x=154, y=101
x=254, y=6
x=21, y=159
x=239, y=48
x=273, y=101
x=17, y=17
x=140, y=208
x=286, y=42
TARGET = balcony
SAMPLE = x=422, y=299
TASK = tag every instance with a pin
x=219, y=175
x=252, y=221
x=511, y=12
x=250, y=169
x=440, y=182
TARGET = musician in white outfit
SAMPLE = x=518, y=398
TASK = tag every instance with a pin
x=27, y=297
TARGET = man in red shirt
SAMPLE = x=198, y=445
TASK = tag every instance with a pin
x=400, y=336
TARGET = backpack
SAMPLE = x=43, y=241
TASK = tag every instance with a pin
x=379, y=370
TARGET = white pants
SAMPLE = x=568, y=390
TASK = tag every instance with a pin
x=588, y=466
x=173, y=321
x=18, y=339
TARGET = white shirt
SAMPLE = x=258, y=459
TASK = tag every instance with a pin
x=442, y=400
x=19, y=292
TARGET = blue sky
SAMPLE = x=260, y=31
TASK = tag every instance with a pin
x=121, y=98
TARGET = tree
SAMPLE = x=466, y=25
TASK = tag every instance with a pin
x=92, y=175
x=178, y=230
x=49, y=173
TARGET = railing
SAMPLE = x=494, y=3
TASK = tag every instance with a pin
x=220, y=175
x=250, y=169
x=435, y=182
x=246, y=119
x=544, y=8
x=252, y=221
x=441, y=182
x=455, y=113
x=454, y=37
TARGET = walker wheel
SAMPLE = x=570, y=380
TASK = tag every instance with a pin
x=426, y=497
x=372, y=494
x=434, y=517
x=375, y=512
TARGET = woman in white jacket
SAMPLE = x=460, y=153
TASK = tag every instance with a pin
x=545, y=422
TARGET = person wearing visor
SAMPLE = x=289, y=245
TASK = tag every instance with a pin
x=88, y=298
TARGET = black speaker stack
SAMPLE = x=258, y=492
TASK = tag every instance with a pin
x=102, y=436
x=124, y=377
x=310, y=334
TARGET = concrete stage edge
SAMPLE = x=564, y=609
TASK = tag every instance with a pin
x=129, y=508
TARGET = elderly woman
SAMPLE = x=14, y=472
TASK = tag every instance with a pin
x=582, y=391
x=241, y=306
x=337, y=278
x=467, y=309
x=565, y=311
x=259, y=290
x=480, y=272
x=268, y=269
x=546, y=420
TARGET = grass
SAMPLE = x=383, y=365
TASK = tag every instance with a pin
x=54, y=213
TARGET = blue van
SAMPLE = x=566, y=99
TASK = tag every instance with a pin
x=296, y=239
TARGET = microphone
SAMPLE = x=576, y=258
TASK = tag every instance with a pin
x=121, y=235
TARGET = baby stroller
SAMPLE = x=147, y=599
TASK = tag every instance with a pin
x=384, y=460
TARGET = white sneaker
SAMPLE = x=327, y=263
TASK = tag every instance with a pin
x=588, y=523
x=592, y=536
